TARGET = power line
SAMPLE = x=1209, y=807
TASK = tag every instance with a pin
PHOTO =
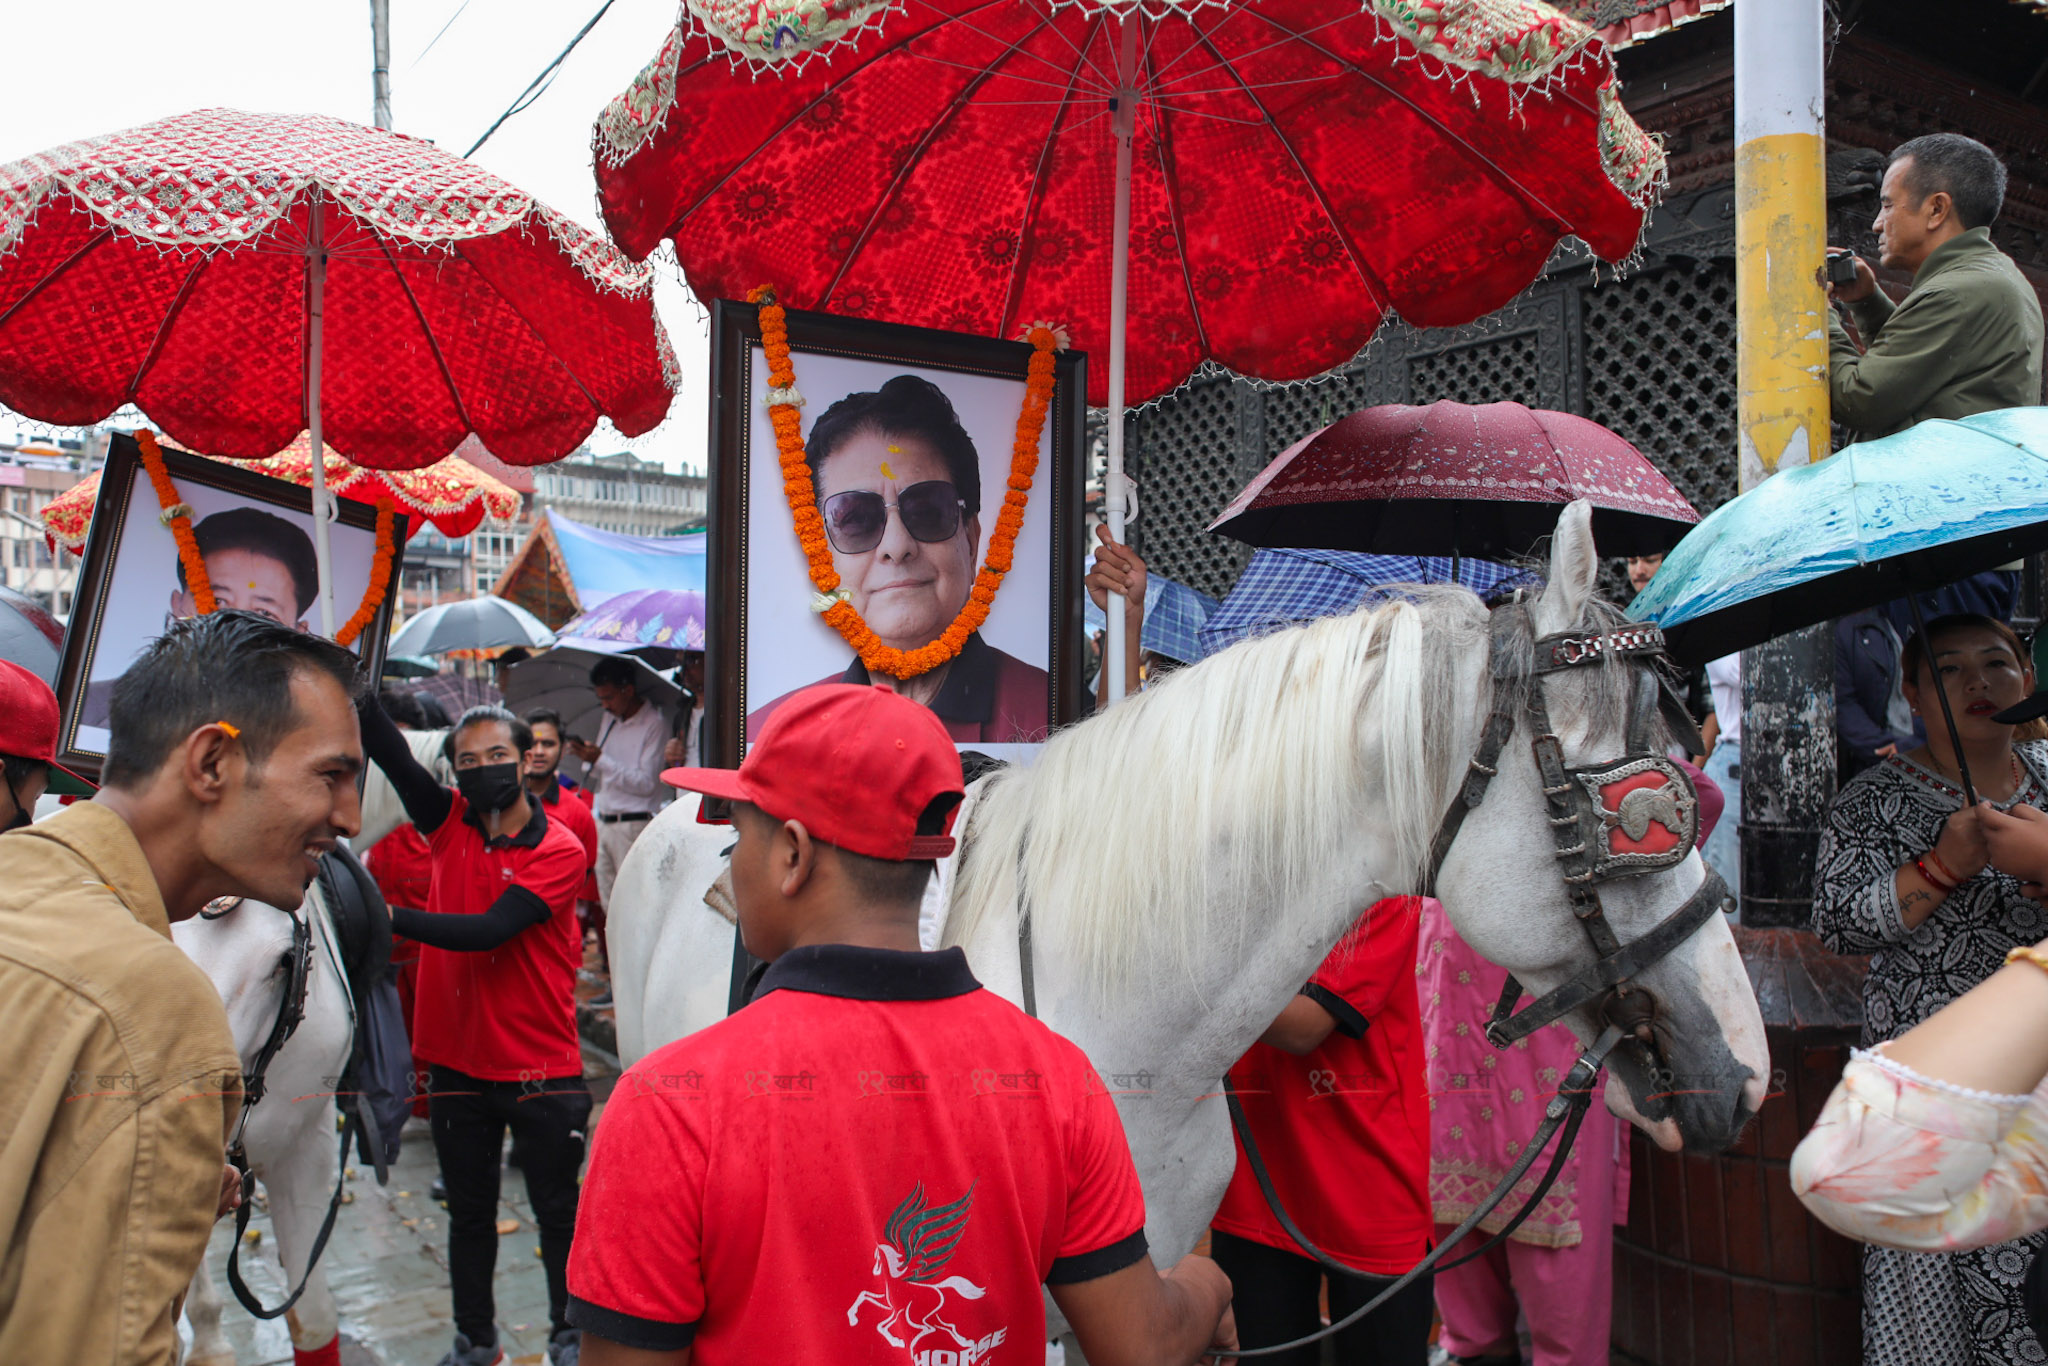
x=539, y=85
x=437, y=37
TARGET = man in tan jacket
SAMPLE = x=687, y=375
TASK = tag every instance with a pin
x=232, y=766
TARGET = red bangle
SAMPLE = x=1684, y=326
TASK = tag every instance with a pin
x=1920, y=866
x=1946, y=871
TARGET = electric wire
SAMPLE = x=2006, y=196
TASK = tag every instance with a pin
x=539, y=85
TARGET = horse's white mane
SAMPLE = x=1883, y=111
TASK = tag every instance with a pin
x=1109, y=836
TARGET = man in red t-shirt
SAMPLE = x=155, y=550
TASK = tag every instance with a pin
x=496, y=1016
x=876, y=1160
x=544, y=782
x=1334, y=1093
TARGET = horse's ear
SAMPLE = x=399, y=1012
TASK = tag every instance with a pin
x=1574, y=569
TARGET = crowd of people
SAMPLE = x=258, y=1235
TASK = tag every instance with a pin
x=1374, y=1112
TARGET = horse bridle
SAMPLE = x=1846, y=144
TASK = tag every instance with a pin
x=291, y=1013
x=291, y=1007
x=1600, y=818
x=1624, y=817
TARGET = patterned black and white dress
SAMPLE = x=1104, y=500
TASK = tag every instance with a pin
x=1927, y=1308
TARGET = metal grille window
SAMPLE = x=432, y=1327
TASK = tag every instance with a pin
x=1187, y=468
x=1494, y=371
x=1660, y=371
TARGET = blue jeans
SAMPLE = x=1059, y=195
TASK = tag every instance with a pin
x=1723, y=849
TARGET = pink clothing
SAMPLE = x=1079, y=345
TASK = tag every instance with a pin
x=1485, y=1104
x=1565, y=1292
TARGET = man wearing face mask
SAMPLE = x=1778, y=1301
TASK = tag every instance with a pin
x=495, y=1014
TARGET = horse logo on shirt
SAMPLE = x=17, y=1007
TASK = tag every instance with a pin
x=917, y=1243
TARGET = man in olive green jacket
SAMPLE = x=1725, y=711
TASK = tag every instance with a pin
x=232, y=766
x=1967, y=336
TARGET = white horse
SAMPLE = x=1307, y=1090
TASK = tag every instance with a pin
x=1190, y=856
x=291, y=1137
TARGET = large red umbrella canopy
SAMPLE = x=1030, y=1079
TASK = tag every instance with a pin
x=451, y=495
x=167, y=267
x=1301, y=170
x=1456, y=479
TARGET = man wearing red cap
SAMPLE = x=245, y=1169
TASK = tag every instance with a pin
x=28, y=732
x=876, y=1160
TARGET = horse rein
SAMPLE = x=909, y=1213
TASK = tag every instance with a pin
x=291, y=1013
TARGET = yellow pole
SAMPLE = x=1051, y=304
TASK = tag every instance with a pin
x=1780, y=237
x=1785, y=759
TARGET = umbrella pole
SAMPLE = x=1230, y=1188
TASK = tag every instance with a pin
x=1948, y=716
x=316, y=302
x=1123, y=120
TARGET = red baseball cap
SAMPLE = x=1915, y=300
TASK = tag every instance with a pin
x=858, y=766
x=28, y=727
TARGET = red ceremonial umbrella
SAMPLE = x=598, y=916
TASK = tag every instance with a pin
x=1456, y=479
x=245, y=277
x=451, y=494
x=1259, y=183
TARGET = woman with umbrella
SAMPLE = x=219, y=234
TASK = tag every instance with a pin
x=1904, y=875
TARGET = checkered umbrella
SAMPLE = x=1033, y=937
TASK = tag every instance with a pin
x=1282, y=587
x=1174, y=614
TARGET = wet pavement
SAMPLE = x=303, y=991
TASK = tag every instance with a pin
x=387, y=1264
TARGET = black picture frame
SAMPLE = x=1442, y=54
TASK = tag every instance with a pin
x=118, y=484
x=736, y=338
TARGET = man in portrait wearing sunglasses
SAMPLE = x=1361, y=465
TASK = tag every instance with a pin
x=899, y=483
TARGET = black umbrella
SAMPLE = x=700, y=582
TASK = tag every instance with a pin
x=29, y=636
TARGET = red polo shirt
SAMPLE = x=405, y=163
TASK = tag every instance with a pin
x=1344, y=1128
x=875, y=1161
x=508, y=1014
x=574, y=813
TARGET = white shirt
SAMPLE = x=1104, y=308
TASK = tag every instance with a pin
x=629, y=772
x=1724, y=676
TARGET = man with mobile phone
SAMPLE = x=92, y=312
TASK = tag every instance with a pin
x=1967, y=336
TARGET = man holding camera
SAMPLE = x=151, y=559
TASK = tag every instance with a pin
x=1967, y=336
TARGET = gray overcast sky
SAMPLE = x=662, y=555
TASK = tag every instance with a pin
x=86, y=67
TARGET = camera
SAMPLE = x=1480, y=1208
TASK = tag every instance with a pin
x=1842, y=268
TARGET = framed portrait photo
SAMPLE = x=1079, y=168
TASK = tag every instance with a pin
x=909, y=435
x=255, y=534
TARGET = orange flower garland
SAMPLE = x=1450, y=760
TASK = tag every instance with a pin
x=177, y=516
x=832, y=601
x=380, y=577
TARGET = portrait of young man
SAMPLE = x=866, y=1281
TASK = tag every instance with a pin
x=256, y=561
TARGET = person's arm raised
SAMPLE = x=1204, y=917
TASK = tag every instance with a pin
x=426, y=802
x=1139, y=1316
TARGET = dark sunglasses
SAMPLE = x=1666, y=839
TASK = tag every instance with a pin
x=856, y=520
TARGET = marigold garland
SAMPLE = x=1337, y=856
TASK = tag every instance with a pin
x=380, y=576
x=177, y=515
x=832, y=601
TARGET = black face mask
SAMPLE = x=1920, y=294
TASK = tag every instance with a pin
x=22, y=815
x=489, y=787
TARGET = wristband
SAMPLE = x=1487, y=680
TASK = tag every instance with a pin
x=1946, y=871
x=1920, y=867
x=2028, y=953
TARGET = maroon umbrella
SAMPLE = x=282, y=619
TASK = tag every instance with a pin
x=1456, y=479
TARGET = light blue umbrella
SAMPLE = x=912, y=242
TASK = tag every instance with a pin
x=1877, y=521
x=1174, y=614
